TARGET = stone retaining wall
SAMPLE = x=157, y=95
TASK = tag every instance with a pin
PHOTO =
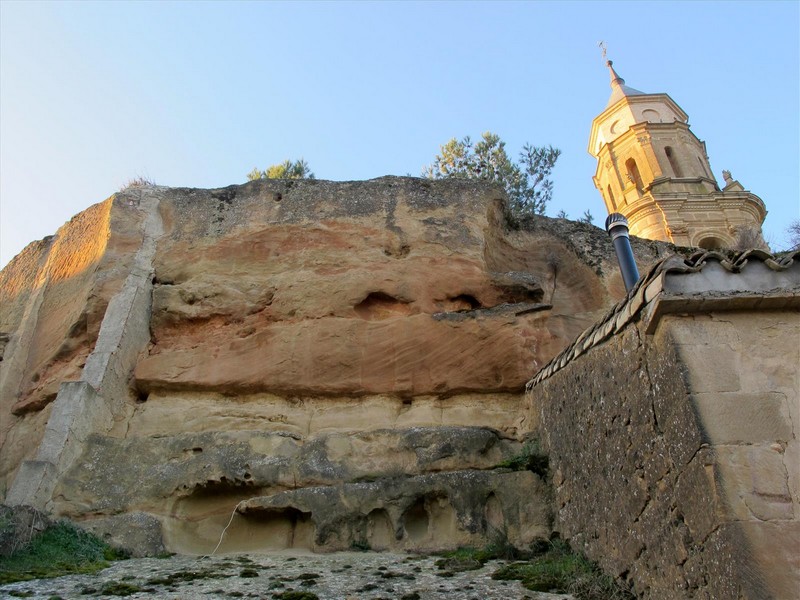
x=671, y=429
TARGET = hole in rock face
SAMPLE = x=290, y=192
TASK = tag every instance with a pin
x=493, y=513
x=517, y=293
x=379, y=530
x=431, y=521
x=397, y=251
x=379, y=305
x=462, y=302
x=415, y=521
x=278, y=529
x=197, y=521
x=198, y=451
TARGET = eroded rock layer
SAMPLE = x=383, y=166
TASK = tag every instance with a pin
x=340, y=363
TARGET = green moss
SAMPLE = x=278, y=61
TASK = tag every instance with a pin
x=118, y=588
x=296, y=596
x=360, y=546
x=470, y=559
x=61, y=549
x=248, y=573
x=185, y=576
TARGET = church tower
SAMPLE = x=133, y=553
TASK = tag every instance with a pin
x=655, y=171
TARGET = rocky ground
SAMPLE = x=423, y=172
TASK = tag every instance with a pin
x=340, y=576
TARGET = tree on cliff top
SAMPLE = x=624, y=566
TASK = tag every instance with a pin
x=286, y=170
x=794, y=235
x=526, y=181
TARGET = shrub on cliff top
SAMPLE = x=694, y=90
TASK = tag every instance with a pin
x=137, y=182
x=288, y=169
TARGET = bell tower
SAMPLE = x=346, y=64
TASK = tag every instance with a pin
x=655, y=171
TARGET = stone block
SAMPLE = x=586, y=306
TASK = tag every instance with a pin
x=736, y=417
x=754, y=482
x=703, y=330
x=775, y=548
x=33, y=485
x=136, y=532
x=711, y=368
x=695, y=496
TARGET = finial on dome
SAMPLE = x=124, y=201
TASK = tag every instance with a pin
x=615, y=78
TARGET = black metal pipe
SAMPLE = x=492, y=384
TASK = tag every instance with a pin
x=617, y=228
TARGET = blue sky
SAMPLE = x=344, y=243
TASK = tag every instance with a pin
x=197, y=94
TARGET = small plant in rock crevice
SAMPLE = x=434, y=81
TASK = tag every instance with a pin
x=530, y=458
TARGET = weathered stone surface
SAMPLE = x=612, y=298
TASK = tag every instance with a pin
x=192, y=482
x=302, y=334
x=430, y=512
x=618, y=435
x=138, y=533
x=364, y=288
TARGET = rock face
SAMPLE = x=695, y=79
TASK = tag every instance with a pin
x=340, y=364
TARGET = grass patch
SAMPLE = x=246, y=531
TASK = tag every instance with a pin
x=559, y=570
x=471, y=559
x=61, y=549
x=360, y=546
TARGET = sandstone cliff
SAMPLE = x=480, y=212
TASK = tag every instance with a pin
x=342, y=361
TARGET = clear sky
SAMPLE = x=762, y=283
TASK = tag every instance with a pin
x=197, y=94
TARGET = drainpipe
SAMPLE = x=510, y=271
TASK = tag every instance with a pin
x=617, y=228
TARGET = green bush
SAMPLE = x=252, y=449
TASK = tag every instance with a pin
x=559, y=570
x=61, y=549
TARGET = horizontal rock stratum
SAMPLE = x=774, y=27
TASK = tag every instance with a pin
x=342, y=362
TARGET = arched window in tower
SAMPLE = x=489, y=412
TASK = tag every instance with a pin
x=711, y=243
x=676, y=168
x=611, y=199
x=633, y=174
